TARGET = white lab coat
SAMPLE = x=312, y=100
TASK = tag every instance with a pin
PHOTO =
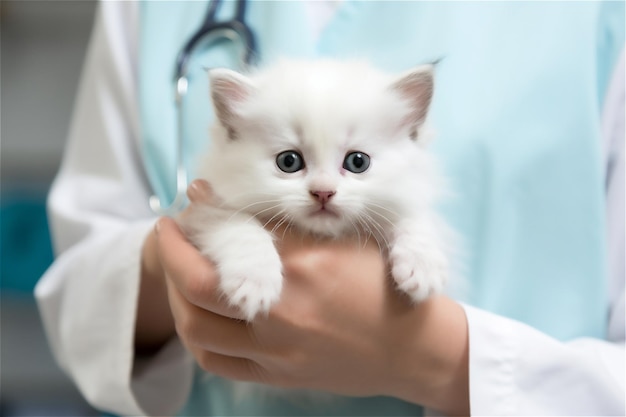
x=100, y=217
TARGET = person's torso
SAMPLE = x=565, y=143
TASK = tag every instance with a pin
x=516, y=110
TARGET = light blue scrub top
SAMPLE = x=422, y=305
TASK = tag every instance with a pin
x=517, y=108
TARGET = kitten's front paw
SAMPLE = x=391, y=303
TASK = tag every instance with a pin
x=419, y=270
x=253, y=284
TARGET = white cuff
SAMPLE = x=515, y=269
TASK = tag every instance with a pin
x=517, y=370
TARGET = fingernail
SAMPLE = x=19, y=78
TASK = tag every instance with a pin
x=194, y=191
x=199, y=191
x=157, y=226
x=201, y=186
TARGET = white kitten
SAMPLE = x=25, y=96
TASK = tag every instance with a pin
x=332, y=148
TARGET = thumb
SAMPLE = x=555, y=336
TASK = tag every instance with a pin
x=200, y=191
x=200, y=195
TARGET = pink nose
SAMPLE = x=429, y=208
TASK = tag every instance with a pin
x=322, y=196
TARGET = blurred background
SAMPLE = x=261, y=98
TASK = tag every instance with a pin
x=42, y=48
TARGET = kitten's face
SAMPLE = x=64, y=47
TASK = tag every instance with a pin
x=327, y=147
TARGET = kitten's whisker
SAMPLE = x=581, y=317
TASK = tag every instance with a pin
x=380, y=231
x=357, y=229
x=282, y=220
x=289, y=225
x=366, y=225
x=256, y=204
x=380, y=216
x=380, y=206
x=268, y=209
x=271, y=219
x=232, y=200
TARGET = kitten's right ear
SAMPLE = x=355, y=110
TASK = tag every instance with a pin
x=229, y=90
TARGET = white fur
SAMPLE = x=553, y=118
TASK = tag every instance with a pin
x=322, y=109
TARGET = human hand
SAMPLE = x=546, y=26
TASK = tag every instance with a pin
x=340, y=326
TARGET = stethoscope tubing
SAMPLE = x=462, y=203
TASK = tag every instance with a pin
x=231, y=30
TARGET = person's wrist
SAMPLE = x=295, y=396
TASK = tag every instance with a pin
x=154, y=322
x=151, y=267
x=432, y=365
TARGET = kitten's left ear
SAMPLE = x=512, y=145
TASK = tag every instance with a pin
x=416, y=86
x=229, y=90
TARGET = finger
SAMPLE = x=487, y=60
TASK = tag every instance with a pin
x=200, y=194
x=229, y=367
x=205, y=330
x=200, y=191
x=193, y=275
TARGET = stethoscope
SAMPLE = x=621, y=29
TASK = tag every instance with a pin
x=233, y=30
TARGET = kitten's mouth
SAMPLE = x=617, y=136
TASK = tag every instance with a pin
x=324, y=211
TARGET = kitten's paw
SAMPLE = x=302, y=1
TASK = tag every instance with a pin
x=253, y=284
x=418, y=270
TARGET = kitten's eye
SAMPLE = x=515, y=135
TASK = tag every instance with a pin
x=356, y=162
x=289, y=161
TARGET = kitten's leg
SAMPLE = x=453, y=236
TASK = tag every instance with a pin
x=244, y=253
x=419, y=264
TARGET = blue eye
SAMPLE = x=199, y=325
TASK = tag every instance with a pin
x=356, y=162
x=289, y=161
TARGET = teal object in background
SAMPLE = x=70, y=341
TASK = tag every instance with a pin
x=25, y=246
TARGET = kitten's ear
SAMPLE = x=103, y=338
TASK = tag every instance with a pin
x=416, y=86
x=229, y=90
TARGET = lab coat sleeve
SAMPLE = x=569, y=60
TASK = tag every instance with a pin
x=517, y=370
x=99, y=217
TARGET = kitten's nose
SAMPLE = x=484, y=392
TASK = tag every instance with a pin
x=322, y=196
